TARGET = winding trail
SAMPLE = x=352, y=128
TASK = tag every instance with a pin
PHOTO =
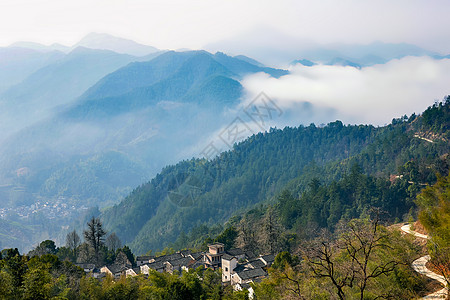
x=419, y=265
x=422, y=138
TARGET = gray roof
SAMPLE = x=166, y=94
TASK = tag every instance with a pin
x=235, y=252
x=116, y=268
x=156, y=265
x=252, y=273
x=257, y=263
x=197, y=255
x=145, y=257
x=270, y=258
x=250, y=254
x=168, y=257
x=227, y=256
x=240, y=268
x=180, y=262
x=185, y=252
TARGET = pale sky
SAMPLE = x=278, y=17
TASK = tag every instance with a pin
x=193, y=24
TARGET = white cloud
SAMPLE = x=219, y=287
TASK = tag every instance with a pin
x=194, y=23
x=372, y=95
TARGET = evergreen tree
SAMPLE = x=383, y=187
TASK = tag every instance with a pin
x=94, y=237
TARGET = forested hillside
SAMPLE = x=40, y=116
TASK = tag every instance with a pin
x=197, y=192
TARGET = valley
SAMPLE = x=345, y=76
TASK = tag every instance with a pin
x=130, y=171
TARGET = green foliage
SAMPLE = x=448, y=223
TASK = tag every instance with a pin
x=434, y=204
x=348, y=198
x=436, y=118
x=227, y=237
x=362, y=260
x=285, y=258
x=37, y=283
x=45, y=247
x=261, y=167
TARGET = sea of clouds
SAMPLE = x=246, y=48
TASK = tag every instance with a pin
x=370, y=95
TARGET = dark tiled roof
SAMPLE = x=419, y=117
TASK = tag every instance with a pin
x=145, y=257
x=240, y=268
x=250, y=254
x=269, y=258
x=252, y=273
x=156, y=265
x=137, y=270
x=227, y=256
x=168, y=257
x=257, y=263
x=185, y=252
x=116, y=268
x=235, y=252
x=180, y=262
x=197, y=255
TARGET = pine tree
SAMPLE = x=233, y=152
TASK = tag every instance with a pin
x=94, y=237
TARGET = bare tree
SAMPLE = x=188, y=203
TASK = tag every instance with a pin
x=73, y=240
x=94, y=236
x=321, y=256
x=247, y=236
x=271, y=231
x=113, y=242
x=356, y=257
x=85, y=254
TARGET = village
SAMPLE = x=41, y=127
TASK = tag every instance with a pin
x=239, y=268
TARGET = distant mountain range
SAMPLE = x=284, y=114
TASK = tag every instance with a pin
x=274, y=48
x=104, y=41
x=16, y=64
x=84, y=125
x=98, y=41
x=145, y=114
x=57, y=83
x=21, y=59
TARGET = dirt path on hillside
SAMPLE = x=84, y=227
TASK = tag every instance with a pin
x=419, y=265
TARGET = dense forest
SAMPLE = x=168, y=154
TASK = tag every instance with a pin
x=329, y=224
x=48, y=277
x=361, y=259
x=321, y=174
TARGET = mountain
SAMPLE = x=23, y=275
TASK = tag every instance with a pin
x=197, y=192
x=363, y=55
x=304, y=62
x=104, y=41
x=147, y=113
x=18, y=63
x=189, y=76
x=272, y=47
x=121, y=131
x=343, y=62
x=249, y=60
x=41, y=47
x=58, y=83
